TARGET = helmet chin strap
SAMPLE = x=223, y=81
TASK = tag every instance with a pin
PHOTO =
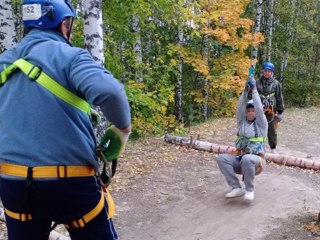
x=70, y=29
x=66, y=28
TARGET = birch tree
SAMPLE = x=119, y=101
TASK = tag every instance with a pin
x=257, y=25
x=7, y=32
x=93, y=30
x=178, y=93
x=205, y=53
x=270, y=32
x=8, y=36
x=289, y=29
x=137, y=49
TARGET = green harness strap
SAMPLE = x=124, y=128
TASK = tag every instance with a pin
x=255, y=139
x=35, y=73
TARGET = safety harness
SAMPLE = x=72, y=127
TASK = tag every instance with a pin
x=268, y=92
x=247, y=141
x=36, y=74
x=239, y=152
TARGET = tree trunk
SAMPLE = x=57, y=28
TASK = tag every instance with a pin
x=257, y=28
x=284, y=63
x=205, y=95
x=291, y=36
x=137, y=46
x=270, y=27
x=211, y=147
x=93, y=32
x=205, y=82
x=178, y=96
x=93, y=29
x=8, y=36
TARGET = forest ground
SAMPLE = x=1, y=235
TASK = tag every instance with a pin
x=169, y=192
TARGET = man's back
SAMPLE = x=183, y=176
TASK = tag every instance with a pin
x=37, y=128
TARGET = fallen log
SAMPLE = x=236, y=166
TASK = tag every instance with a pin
x=211, y=147
x=54, y=235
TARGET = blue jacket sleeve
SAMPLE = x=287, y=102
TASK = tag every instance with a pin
x=100, y=88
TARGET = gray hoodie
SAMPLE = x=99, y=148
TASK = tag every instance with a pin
x=251, y=129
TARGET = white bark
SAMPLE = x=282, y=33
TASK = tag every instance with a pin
x=205, y=81
x=57, y=236
x=270, y=27
x=257, y=27
x=179, y=113
x=8, y=36
x=211, y=147
x=137, y=46
x=93, y=29
x=291, y=35
x=2, y=217
x=93, y=32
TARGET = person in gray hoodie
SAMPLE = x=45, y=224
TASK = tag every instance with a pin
x=249, y=158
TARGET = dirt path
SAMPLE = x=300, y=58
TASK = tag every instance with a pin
x=169, y=192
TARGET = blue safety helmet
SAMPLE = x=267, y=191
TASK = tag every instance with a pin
x=46, y=14
x=269, y=66
x=250, y=104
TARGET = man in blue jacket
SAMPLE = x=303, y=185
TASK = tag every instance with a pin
x=47, y=154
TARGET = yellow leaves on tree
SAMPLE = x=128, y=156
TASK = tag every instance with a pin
x=220, y=21
x=195, y=59
x=224, y=22
x=233, y=72
x=219, y=27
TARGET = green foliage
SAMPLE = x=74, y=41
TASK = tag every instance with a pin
x=77, y=33
x=295, y=49
x=149, y=110
x=214, y=55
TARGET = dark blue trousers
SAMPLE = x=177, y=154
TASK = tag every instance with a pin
x=60, y=201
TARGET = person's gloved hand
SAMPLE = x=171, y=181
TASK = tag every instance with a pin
x=279, y=117
x=113, y=143
x=251, y=82
x=95, y=117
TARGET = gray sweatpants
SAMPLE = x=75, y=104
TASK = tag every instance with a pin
x=249, y=166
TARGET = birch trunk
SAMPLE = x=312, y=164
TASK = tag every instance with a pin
x=291, y=36
x=179, y=113
x=137, y=46
x=8, y=36
x=270, y=32
x=211, y=147
x=257, y=28
x=93, y=30
x=205, y=80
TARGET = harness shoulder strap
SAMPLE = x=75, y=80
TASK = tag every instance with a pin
x=267, y=90
x=256, y=138
x=36, y=74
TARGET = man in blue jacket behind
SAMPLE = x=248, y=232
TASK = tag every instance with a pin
x=47, y=154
